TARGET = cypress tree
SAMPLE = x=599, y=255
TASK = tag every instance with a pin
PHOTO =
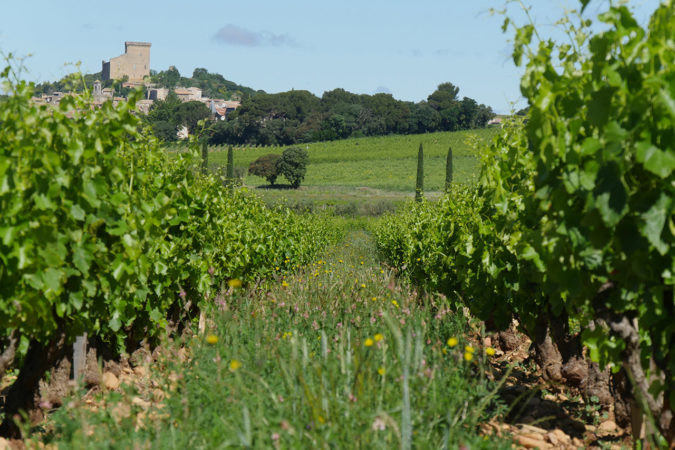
x=419, y=185
x=205, y=158
x=230, y=166
x=448, y=170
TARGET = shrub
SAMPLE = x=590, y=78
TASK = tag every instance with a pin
x=293, y=165
x=266, y=167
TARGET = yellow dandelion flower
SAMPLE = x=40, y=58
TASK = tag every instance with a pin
x=452, y=342
x=369, y=342
x=418, y=259
x=234, y=283
x=361, y=262
x=490, y=351
x=374, y=299
x=469, y=349
x=234, y=365
x=445, y=351
x=395, y=303
x=378, y=337
x=381, y=371
x=363, y=286
x=381, y=270
x=212, y=339
x=468, y=356
x=284, y=284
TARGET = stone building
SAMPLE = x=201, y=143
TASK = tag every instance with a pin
x=188, y=94
x=134, y=63
x=155, y=93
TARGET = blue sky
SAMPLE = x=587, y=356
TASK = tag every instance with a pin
x=405, y=48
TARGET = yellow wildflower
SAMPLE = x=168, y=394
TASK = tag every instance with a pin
x=234, y=283
x=378, y=337
x=469, y=349
x=452, y=342
x=395, y=303
x=212, y=339
x=374, y=298
x=369, y=342
x=381, y=371
x=284, y=284
x=363, y=286
x=490, y=351
x=234, y=365
x=468, y=356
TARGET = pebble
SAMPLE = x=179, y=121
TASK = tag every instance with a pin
x=553, y=439
x=561, y=435
x=140, y=402
x=607, y=427
x=110, y=381
x=528, y=442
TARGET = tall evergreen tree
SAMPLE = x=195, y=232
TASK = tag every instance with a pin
x=205, y=157
x=448, y=170
x=230, y=166
x=419, y=185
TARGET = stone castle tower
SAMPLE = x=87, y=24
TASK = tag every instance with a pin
x=134, y=63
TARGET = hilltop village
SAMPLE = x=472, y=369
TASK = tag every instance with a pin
x=132, y=70
x=173, y=105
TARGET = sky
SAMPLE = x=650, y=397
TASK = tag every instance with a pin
x=405, y=48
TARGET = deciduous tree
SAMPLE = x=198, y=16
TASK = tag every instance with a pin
x=293, y=165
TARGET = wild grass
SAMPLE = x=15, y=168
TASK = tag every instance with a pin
x=333, y=355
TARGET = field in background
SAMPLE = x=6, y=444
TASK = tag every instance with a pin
x=364, y=176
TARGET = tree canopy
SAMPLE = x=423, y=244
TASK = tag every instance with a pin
x=266, y=167
x=296, y=116
x=293, y=117
x=293, y=165
x=213, y=85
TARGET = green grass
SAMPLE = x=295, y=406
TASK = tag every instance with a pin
x=333, y=355
x=385, y=163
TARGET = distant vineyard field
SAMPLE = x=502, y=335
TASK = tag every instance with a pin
x=386, y=163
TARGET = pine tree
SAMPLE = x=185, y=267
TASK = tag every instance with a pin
x=419, y=186
x=448, y=171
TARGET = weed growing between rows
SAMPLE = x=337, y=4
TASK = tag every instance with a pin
x=334, y=354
